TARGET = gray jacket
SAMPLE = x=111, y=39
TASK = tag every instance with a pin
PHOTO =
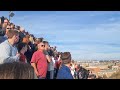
x=8, y=52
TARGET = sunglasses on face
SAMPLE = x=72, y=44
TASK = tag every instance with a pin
x=42, y=45
x=8, y=28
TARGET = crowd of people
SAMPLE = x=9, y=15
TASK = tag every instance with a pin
x=23, y=56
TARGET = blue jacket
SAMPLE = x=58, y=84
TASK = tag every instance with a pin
x=64, y=73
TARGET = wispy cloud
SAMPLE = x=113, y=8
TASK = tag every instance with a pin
x=86, y=34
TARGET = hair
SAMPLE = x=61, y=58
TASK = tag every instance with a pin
x=18, y=27
x=26, y=39
x=45, y=42
x=20, y=46
x=6, y=19
x=16, y=70
x=11, y=24
x=73, y=61
x=11, y=33
x=92, y=76
x=38, y=40
x=66, y=57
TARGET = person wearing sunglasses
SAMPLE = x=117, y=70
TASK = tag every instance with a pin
x=39, y=62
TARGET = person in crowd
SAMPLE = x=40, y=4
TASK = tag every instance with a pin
x=58, y=63
x=7, y=29
x=92, y=76
x=21, y=33
x=31, y=39
x=16, y=70
x=64, y=71
x=3, y=25
x=82, y=73
x=8, y=48
x=12, y=26
x=49, y=53
x=37, y=41
x=39, y=61
x=5, y=36
x=28, y=53
x=72, y=67
x=22, y=48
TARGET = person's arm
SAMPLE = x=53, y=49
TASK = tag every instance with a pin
x=69, y=76
x=5, y=56
x=59, y=57
x=48, y=58
x=12, y=58
x=33, y=64
x=35, y=68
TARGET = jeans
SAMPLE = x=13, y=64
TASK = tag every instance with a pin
x=41, y=78
x=50, y=74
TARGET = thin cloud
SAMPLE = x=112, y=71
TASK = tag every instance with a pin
x=87, y=35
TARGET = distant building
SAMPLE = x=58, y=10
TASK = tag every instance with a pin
x=94, y=70
x=115, y=67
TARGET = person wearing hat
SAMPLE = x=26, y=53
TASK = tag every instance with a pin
x=64, y=71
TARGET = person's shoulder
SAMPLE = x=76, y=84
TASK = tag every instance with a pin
x=37, y=52
x=5, y=43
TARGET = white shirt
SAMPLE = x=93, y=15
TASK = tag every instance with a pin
x=51, y=65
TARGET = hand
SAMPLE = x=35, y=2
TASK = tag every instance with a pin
x=36, y=73
x=18, y=54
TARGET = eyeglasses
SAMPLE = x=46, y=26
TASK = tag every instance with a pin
x=42, y=45
x=8, y=28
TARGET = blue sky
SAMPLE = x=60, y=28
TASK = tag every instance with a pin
x=86, y=34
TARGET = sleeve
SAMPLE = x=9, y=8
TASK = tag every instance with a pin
x=5, y=56
x=69, y=76
x=33, y=60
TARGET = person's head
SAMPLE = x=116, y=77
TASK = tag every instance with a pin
x=38, y=40
x=26, y=39
x=17, y=27
x=16, y=70
x=22, y=47
x=66, y=57
x=41, y=46
x=78, y=66
x=13, y=35
x=46, y=45
x=72, y=61
x=22, y=29
x=8, y=28
x=31, y=39
x=92, y=76
x=12, y=26
x=52, y=48
x=5, y=23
